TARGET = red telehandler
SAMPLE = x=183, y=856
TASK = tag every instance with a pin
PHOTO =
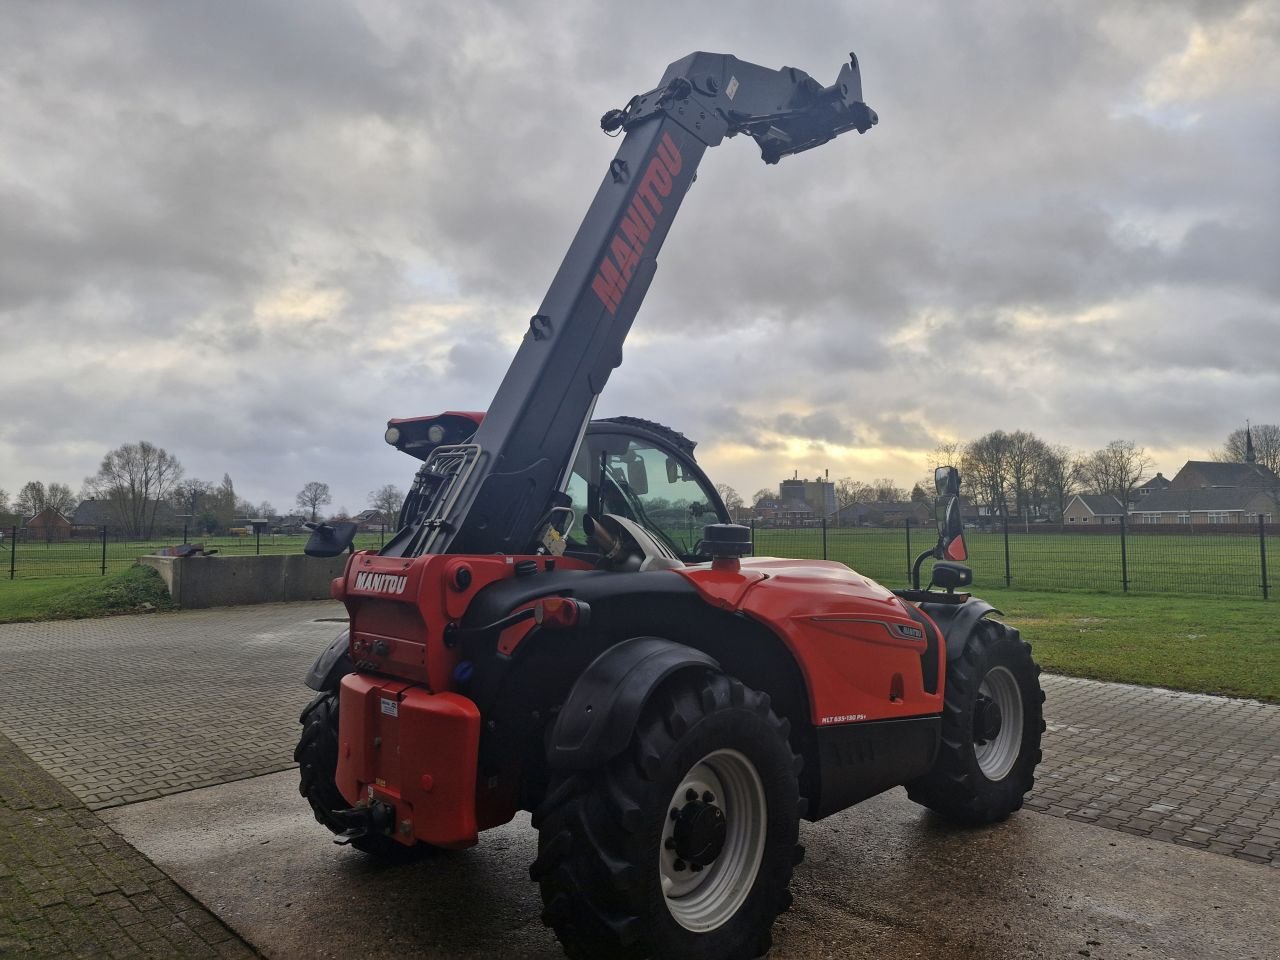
x=557, y=628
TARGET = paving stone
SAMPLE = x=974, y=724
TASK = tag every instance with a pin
x=1190, y=766
x=63, y=906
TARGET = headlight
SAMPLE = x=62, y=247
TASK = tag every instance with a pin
x=435, y=433
x=392, y=436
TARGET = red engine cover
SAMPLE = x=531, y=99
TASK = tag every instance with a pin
x=856, y=644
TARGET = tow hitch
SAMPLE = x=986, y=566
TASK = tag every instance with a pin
x=377, y=817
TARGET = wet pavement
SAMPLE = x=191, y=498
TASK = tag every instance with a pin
x=179, y=729
x=884, y=880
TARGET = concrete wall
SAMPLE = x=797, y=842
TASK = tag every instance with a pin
x=231, y=581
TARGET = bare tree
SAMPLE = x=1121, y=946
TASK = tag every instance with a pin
x=1116, y=469
x=949, y=453
x=850, y=491
x=1266, y=446
x=314, y=495
x=35, y=497
x=884, y=490
x=4, y=500
x=1057, y=477
x=732, y=499
x=387, y=500
x=766, y=493
x=266, y=510
x=984, y=467
x=135, y=477
x=1024, y=453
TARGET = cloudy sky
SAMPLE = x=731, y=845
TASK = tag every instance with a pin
x=251, y=232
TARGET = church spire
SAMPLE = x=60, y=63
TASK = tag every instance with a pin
x=1249, y=455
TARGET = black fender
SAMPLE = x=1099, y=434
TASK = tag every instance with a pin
x=957, y=621
x=597, y=719
x=331, y=666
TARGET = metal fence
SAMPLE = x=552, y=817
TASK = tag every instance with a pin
x=1212, y=560
x=24, y=557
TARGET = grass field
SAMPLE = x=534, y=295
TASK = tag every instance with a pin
x=1210, y=565
x=1199, y=644
x=84, y=557
x=1206, y=646
x=71, y=598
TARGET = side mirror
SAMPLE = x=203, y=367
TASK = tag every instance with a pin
x=329, y=539
x=951, y=530
x=637, y=477
x=673, y=472
x=946, y=480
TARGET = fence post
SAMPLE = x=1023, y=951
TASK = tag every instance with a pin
x=382, y=534
x=104, y=549
x=753, y=536
x=1262, y=555
x=907, y=525
x=184, y=532
x=1124, y=556
x=257, y=534
x=1008, y=570
x=824, y=538
x=13, y=553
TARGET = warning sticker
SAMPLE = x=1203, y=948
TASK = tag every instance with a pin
x=390, y=707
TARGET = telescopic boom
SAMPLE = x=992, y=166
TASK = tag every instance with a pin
x=495, y=494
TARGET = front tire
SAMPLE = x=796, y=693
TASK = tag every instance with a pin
x=317, y=757
x=683, y=846
x=992, y=720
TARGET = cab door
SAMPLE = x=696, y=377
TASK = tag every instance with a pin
x=646, y=473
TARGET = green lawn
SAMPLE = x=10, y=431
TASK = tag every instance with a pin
x=1207, y=645
x=73, y=598
x=1205, y=564
x=84, y=556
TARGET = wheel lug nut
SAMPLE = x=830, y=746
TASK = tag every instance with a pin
x=678, y=866
x=691, y=795
x=695, y=867
x=708, y=797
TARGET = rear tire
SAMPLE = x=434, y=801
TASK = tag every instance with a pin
x=992, y=720
x=683, y=846
x=317, y=756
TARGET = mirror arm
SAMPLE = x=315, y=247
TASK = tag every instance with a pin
x=915, y=569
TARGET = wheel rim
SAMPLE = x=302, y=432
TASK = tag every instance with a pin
x=997, y=755
x=718, y=814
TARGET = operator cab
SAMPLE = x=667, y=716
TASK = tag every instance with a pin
x=628, y=469
x=645, y=473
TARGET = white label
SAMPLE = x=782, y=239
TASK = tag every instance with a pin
x=380, y=582
x=731, y=88
x=390, y=707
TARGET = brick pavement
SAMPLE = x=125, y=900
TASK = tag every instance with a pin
x=132, y=708
x=1188, y=768
x=71, y=887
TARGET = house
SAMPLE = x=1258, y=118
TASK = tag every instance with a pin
x=47, y=525
x=1093, y=509
x=371, y=521
x=1209, y=474
x=1154, y=485
x=1205, y=491
x=882, y=513
x=782, y=512
x=96, y=514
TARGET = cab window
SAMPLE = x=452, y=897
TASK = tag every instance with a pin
x=632, y=477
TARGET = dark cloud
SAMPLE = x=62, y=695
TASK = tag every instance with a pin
x=252, y=232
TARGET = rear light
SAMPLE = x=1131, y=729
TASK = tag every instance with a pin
x=561, y=613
